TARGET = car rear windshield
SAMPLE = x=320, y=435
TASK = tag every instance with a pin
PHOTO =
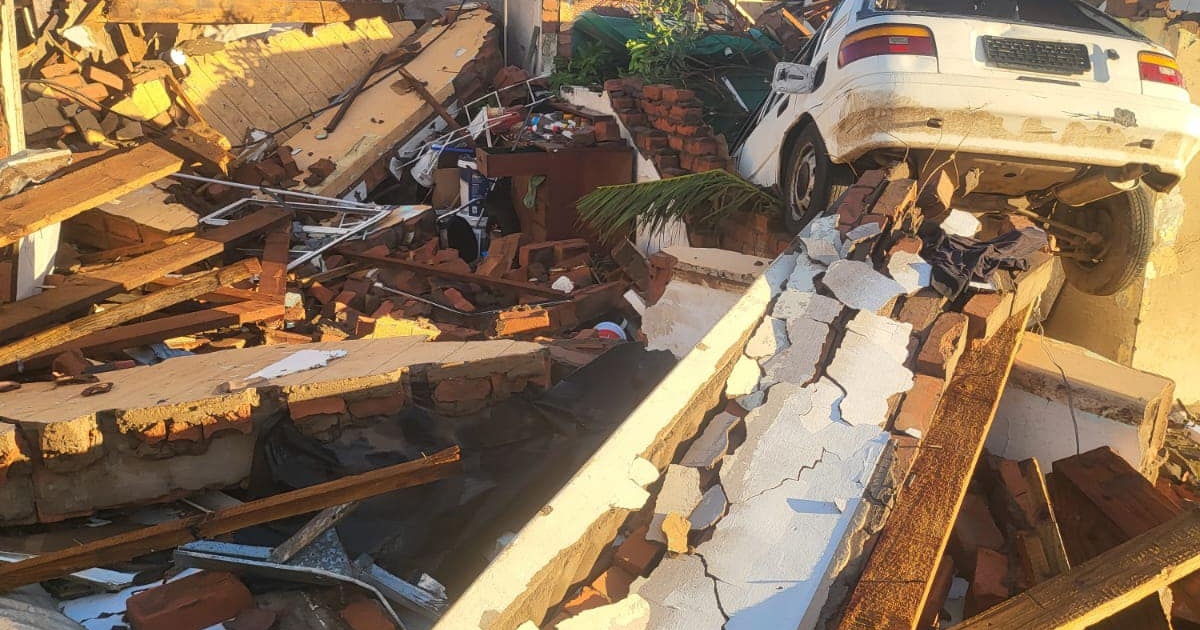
x=1059, y=13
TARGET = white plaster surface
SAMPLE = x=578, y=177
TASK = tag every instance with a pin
x=798, y=363
x=857, y=285
x=744, y=378
x=300, y=361
x=710, y=509
x=684, y=314
x=643, y=472
x=860, y=234
x=960, y=223
x=631, y=613
x=771, y=337
x=869, y=368
x=801, y=278
x=910, y=270
x=1028, y=425
x=681, y=596
x=710, y=447
x=779, y=272
x=822, y=241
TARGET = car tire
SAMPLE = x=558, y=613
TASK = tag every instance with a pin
x=1126, y=223
x=811, y=181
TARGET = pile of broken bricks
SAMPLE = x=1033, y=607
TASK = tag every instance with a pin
x=757, y=522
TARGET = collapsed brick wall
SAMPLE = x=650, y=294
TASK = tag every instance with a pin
x=667, y=124
x=51, y=472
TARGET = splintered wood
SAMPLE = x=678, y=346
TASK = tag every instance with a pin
x=1104, y=585
x=896, y=582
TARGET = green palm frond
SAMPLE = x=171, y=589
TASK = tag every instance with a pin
x=697, y=199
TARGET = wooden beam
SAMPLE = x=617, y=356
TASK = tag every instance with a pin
x=13, y=118
x=141, y=307
x=311, y=531
x=98, y=183
x=899, y=574
x=508, y=286
x=122, y=547
x=1045, y=530
x=84, y=290
x=244, y=11
x=1104, y=585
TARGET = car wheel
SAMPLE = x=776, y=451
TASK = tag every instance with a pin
x=810, y=180
x=1125, y=223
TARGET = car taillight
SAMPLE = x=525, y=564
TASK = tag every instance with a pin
x=1159, y=68
x=886, y=39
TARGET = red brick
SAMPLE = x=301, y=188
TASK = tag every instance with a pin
x=613, y=583
x=687, y=162
x=622, y=102
x=462, y=389
x=252, y=619
x=458, y=300
x=376, y=406
x=652, y=142
x=587, y=599
x=919, y=406
x=320, y=293
x=989, y=586
x=521, y=320
x=941, y=351
x=667, y=159
x=636, y=554
x=986, y=313
x=668, y=173
x=614, y=85
x=700, y=146
x=710, y=163
x=974, y=529
x=938, y=592
x=366, y=614
x=633, y=117
x=687, y=115
x=690, y=131
x=666, y=126
x=907, y=244
x=328, y=405
x=654, y=91
x=669, y=93
x=607, y=130
x=191, y=603
x=921, y=310
x=684, y=96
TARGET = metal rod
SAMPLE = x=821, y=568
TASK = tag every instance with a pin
x=265, y=189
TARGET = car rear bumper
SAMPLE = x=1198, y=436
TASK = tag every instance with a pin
x=1013, y=119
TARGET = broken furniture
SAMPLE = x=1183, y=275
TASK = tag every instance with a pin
x=555, y=177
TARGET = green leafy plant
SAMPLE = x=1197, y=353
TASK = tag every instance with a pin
x=671, y=27
x=698, y=199
x=590, y=65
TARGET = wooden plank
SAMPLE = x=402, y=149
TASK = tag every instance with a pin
x=117, y=253
x=243, y=11
x=311, y=531
x=64, y=197
x=155, y=330
x=13, y=119
x=440, y=465
x=1046, y=529
x=274, y=277
x=1104, y=585
x=66, y=333
x=897, y=579
x=509, y=286
x=81, y=291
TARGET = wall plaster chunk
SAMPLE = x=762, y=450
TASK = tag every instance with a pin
x=857, y=285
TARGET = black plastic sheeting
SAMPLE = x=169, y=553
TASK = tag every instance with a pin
x=516, y=454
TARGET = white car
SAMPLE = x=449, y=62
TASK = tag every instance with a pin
x=1038, y=106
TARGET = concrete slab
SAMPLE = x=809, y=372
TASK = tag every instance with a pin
x=869, y=367
x=857, y=285
x=710, y=509
x=680, y=494
x=631, y=613
x=770, y=338
x=684, y=315
x=681, y=596
x=798, y=363
x=710, y=447
x=910, y=270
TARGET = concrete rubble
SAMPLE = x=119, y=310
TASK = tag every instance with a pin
x=323, y=315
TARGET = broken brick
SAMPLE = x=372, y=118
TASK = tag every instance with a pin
x=319, y=171
x=521, y=320
x=366, y=614
x=989, y=585
x=636, y=554
x=943, y=348
x=974, y=529
x=321, y=293
x=190, y=603
x=921, y=309
x=919, y=406
x=986, y=314
x=458, y=300
x=613, y=583
x=587, y=599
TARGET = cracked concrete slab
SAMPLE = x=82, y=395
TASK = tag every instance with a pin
x=770, y=338
x=801, y=278
x=822, y=241
x=792, y=304
x=710, y=447
x=857, y=285
x=779, y=272
x=680, y=493
x=711, y=508
x=869, y=368
x=910, y=270
x=743, y=380
x=890, y=335
x=798, y=363
x=681, y=595
x=858, y=236
x=752, y=401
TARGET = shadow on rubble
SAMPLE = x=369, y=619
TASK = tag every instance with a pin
x=516, y=455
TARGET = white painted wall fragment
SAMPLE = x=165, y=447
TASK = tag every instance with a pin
x=680, y=595
x=631, y=613
x=869, y=367
x=771, y=337
x=680, y=493
x=744, y=378
x=857, y=285
x=710, y=447
x=910, y=270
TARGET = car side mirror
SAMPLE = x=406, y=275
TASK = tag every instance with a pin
x=794, y=78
